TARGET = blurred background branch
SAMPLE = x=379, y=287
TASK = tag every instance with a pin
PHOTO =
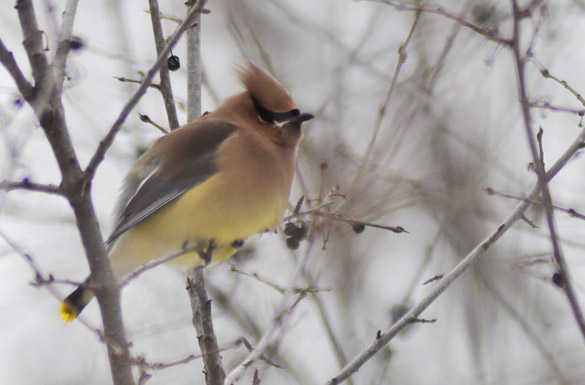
x=452, y=128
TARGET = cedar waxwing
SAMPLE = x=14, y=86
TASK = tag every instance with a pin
x=211, y=184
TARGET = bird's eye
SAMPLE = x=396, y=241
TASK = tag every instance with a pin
x=263, y=114
x=272, y=117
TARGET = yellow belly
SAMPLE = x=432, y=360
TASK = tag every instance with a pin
x=214, y=210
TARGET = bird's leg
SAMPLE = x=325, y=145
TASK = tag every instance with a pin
x=238, y=243
x=206, y=253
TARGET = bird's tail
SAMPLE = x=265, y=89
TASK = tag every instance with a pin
x=75, y=302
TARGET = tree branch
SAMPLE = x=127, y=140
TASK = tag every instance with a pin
x=165, y=78
x=288, y=303
x=157, y=262
x=64, y=45
x=48, y=108
x=194, y=68
x=7, y=60
x=33, y=40
x=200, y=303
x=383, y=338
x=25, y=184
x=541, y=172
x=107, y=141
x=485, y=32
x=203, y=322
x=384, y=107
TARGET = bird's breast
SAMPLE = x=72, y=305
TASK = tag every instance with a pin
x=248, y=194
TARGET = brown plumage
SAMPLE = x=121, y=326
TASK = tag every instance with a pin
x=219, y=179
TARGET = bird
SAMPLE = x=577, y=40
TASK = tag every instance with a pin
x=206, y=186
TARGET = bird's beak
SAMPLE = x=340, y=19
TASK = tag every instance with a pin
x=302, y=118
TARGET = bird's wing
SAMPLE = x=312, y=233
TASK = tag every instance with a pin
x=173, y=165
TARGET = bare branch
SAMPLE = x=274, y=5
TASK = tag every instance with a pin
x=281, y=290
x=528, y=330
x=487, y=33
x=194, y=68
x=572, y=212
x=383, y=338
x=64, y=46
x=157, y=262
x=203, y=322
x=7, y=60
x=577, y=95
x=48, y=107
x=107, y=141
x=164, y=365
x=126, y=80
x=165, y=78
x=334, y=341
x=33, y=41
x=383, y=108
x=548, y=106
x=39, y=276
x=25, y=184
x=146, y=119
x=288, y=303
x=40, y=280
x=541, y=172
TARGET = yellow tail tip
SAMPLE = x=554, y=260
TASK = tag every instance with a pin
x=67, y=313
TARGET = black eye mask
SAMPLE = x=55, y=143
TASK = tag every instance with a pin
x=275, y=117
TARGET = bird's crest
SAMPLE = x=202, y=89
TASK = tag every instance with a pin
x=266, y=91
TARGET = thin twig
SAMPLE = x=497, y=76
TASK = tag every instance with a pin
x=33, y=40
x=258, y=278
x=572, y=212
x=440, y=64
x=165, y=77
x=157, y=262
x=485, y=32
x=308, y=212
x=64, y=46
x=48, y=107
x=383, y=338
x=383, y=108
x=194, y=68
x=200, y=302
x=164, y=365
x=107, y=141
x=49, y=282
x=281, y=290
x=25, y=184
x=7, y=60
x=203, y=322
x=287, y=304
x=135, y=81
x=30, y=261
x=334, y=341
x=577, y=95
x=146, y=119
x=541, y=172
x=532, y=334
x=33, y=45
x=548, y=106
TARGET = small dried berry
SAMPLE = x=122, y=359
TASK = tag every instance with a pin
x=290, y=228
x=358, y=227
x=292, y=243
x=76, y=43
x=558, y=279
x=174, y=63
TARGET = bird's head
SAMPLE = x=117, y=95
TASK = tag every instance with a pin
x=266, y=106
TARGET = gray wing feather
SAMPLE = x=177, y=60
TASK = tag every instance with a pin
x=153, y=195
x=147, y=190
